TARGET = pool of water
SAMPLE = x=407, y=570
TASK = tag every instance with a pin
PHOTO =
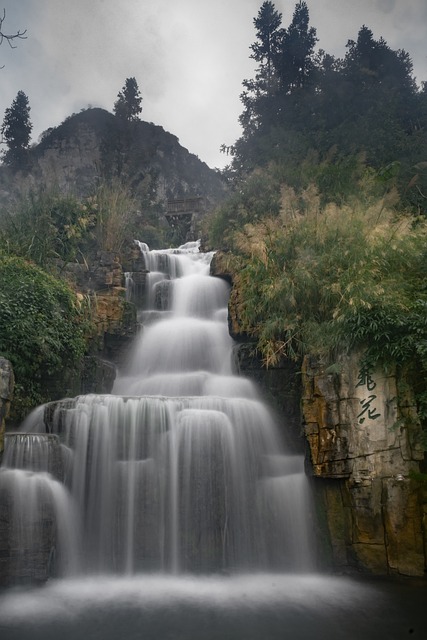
x=251, y=607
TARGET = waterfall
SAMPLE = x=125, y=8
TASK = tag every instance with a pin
x=181, y=469
x=43, y=535
x=170, y=508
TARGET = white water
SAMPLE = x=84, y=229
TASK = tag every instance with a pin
x=181, y=468
x=270, y=607
x=37, y=500
x=180, y=471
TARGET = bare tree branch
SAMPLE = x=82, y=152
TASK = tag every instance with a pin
x=10, y=37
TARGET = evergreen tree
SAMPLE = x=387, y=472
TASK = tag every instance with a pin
x=286, y=64
x=373, y=105
x=265, y=50
x=16, y=129
x=259, y=91
x=370, y=63
x=128, y=103
x=295, y=62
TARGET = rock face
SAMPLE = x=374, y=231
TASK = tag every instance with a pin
x=364, y=434
x=26, y=544
x=7, y=383
x=94, y=143
x=222, y=267
x=281, y=389
x=102, y=281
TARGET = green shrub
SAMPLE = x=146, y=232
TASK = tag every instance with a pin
x=258, y=197
x=332, y=278
x=42, y=329
x=46, y=227
x=116, y=214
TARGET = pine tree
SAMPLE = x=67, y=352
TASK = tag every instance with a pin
x=257, y=97
x=295, y=62
x=16, y=129
x=269, y=34
x=128, y=103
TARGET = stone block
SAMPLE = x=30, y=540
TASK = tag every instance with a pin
x=371, y=558
x=403, y=526
x=358, y=428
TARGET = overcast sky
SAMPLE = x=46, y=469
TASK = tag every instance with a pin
x=189, y=57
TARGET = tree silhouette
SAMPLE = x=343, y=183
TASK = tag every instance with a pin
x=128, y=103
x=295, y=63
x=10, y=38
x=16, y=129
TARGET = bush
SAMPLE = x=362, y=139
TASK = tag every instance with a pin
x=42, y=329
x=46, y=228
x=325, y=279
x=116, y=214
x=255, y=199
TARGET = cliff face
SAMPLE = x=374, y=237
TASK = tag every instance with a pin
x=364, y=434
x=94, y=144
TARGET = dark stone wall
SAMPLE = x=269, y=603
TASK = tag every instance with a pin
x=280, y=387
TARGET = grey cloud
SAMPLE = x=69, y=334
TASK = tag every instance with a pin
x=386, y=5
x=189, y=56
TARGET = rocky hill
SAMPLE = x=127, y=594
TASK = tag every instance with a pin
x=94, y=144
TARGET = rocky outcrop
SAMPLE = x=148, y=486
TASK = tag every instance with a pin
x=364, y=434
x=280, y=386
x=7, y=383
x=69, y=161
x=94, y=143
x=364, y=451
x=98, y=375
x=101, y=281
x=223, y=266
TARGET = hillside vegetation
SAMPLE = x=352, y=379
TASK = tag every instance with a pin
x=326, y=226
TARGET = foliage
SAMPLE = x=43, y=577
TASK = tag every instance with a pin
x=53, y=229
x=256, y=198
x=299, y=100
x=321, y=279
x=46, y=227
x=16, y=129
x=128, y=103
x=117, y=214
x=42, y=328
x=335, y=179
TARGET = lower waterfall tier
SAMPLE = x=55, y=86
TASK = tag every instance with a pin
x=180, y=484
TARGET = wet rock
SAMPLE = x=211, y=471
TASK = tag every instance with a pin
x=364, y=437
x=7, y=384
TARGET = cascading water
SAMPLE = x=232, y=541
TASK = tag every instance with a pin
x=42, y=519
x=180, y=471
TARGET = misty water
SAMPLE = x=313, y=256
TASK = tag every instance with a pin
x=179, y=512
